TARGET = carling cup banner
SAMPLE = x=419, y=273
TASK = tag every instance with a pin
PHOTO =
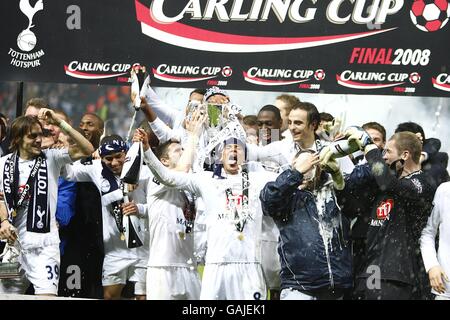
x=397, y=47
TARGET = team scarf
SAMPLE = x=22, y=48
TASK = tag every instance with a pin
x=111, y=192
x=189, y=210
x=112, y=195
x=240, y=218
x=36, y=189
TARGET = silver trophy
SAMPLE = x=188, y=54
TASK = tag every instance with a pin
x=10, y=266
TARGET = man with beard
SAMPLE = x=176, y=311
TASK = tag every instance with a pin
x=314, y=248
x=403, y=193
x=303, y=122
x=29, y=182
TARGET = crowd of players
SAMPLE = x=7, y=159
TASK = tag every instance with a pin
x=285, y=204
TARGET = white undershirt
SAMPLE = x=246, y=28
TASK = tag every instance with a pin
x=438, y=220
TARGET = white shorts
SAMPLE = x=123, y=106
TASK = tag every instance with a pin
x=270, y=261
x=39, y=266
x=292, y=294
x=200, y=244
x=233, y=281
x=117, y=270
x=173, y=283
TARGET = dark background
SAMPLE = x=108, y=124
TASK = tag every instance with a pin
x=111, y=33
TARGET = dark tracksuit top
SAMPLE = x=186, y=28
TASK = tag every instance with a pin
x=397, y=216
x=313, y=246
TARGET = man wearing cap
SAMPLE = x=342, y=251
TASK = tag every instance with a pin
x=233, y=222
x=120, y=263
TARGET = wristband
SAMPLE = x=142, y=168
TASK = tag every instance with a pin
x=64, y=126
x=3, y=220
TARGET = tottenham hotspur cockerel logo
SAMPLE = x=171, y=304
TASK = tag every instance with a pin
x=26, y=40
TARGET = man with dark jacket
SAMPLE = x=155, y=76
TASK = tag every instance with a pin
x=84, y=233
x=313, y=246
x=360, y=225
x=403, y=193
